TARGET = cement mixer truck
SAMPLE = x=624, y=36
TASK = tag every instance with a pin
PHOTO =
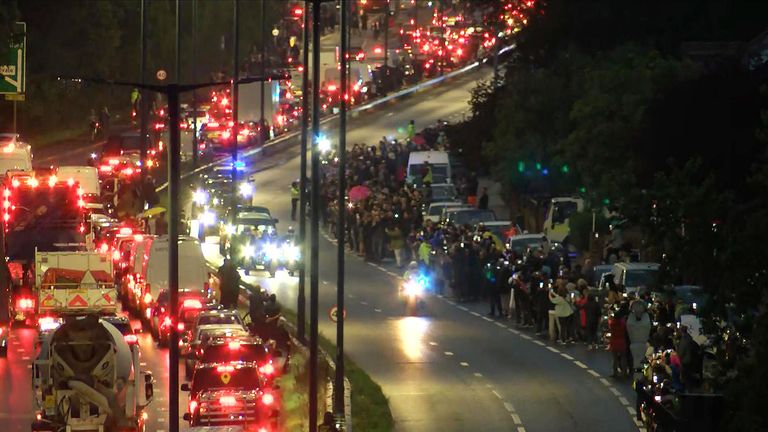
x=87, y=378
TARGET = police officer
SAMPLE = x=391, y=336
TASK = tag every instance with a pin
x=295, y=195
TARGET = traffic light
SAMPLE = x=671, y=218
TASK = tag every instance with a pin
x=565, y=169
x=520, y=166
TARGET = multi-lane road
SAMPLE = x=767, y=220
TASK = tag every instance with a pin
x=451, y=370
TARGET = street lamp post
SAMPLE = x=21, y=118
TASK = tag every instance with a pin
x=263, y=59
x=315, y=234
x=194, y=78
x=144, y=98
x=301, y=297
x=235, y=100
x=341, y=231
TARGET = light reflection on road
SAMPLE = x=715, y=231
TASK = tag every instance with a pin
x=412, y=331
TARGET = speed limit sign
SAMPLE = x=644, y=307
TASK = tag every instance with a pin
x=162, y=74
x=334, y=314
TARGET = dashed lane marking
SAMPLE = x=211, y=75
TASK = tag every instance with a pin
x=539, y=343
x=566, y=356
x=487, y=319
x=593, y=373
x=433, y=343
x=475, y=313
x=580, y=364
x=500, y=324
x=26, y=358
x=497, y=394
x=520, y=429
x=448, y=353
x=525, y=336
x=516, y=419
x=364, y=303
x=605, y=382
x=553, y=349
x=377, y=310
x=478, y=374
x=463, y=308
x=624, y=401
x=614, y=391
x=509, y=406
x=464, y=364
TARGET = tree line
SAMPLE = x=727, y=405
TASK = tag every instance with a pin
x=658, y=110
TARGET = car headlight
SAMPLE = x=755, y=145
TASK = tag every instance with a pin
x=249, y=251
x=272, y=252
x=291, y=252
x=208, y=218
x=246, y=189
x=200, y=197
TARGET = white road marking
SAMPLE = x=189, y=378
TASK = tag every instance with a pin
x=433, y=343
x=632, y=411
x=605, y=382
x=474, y=313
x=553, y=349
x=29, y=366
x=448, y=353
x=500, y=324
x=593, y=373
x=566, y=356
x=497, y=394
x=624, y=401
x=540, y=343
x=377, y=310
x=350, y=295
x=465, y=364
x=364, y=303
x=580, y=364
x=516, y=419
x=513, y=331
x=509, y=406
x=478, y=374
x=487, y=319
x=463, y=308
x=525, y=336
x=520, y=429
x=614, y=391
x=390, y=114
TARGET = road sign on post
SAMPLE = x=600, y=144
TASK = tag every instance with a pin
x=13, y=62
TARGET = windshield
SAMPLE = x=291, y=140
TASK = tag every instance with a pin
x=562, y=211
x=14, y=162
x=219, y=319
x=521, y=245
x=436, y=210
x=472, y=217
x=229, y=376
x=225, y=353
x=637, y=278
x=443, y=192
x=439, y=173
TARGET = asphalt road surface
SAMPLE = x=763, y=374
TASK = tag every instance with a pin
x=451, y=370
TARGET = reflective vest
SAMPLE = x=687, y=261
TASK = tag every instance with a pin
x=294, y=192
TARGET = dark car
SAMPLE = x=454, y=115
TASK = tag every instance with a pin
x=123, y=325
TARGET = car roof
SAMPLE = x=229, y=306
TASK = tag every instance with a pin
x=497, y=223
x=638, y=266
x=218, y=312
x=528, y=236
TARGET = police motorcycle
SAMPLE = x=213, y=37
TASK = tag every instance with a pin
x=259, y=250
x=413, y=290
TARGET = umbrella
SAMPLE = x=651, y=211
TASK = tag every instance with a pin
x=359, y=193
x=154, y=211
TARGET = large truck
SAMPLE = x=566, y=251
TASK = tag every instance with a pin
x=88, y=378
x=249, y=102
x=74, y=282
x=39, y=213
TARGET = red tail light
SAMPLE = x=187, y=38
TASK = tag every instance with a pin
x=192, y=303
x=234, y=345
x=116, y=255
x=267, y=369
x=148, y=298
x=225, y=368
x=131, y=339
x=192, y=406
x=167, y=322
x=267, y=399
x=180, y=327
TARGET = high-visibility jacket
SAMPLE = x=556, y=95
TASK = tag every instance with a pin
x=295, y=192
x=428, y=176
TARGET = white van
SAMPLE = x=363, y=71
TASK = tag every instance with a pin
x=438, y=160
x=86, y=176
x=14, y=154
x=193, y=271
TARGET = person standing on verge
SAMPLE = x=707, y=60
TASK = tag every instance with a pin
x=295, y=194
x=482, y=203
x=229, y=285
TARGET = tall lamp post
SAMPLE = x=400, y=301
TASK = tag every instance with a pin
x=235, y=100
x=315, y=235
x=338, y=387
x=301, y=297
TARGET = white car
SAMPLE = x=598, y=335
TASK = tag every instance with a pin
x=435, y=210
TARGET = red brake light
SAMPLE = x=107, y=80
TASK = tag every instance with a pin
x=126, y=231
x=331, y=87
x=267, y=369
x=192, y=304
x=234, y=345
x=131, y=339
x=223, y=368
x=267, y=399
x=377, y=50
x=167, y=321
x=148, y=298
x=180, y=327
x=114, y=162
x=192, y=406
x=104, y=248
x=116, y=255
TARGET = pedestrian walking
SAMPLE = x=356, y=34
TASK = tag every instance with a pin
x=617, y=344
x=396, y=243
x=563, y=313
x=638, y=331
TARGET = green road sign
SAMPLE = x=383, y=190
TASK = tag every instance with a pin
x=13, y=62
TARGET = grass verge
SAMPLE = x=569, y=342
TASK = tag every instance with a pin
x=54, y=137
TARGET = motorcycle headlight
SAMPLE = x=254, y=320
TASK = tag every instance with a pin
x=291, y=252
x=413, y=288
x=208, y=218
x=249, y=252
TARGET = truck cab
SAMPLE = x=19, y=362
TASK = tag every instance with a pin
x=556, y=224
